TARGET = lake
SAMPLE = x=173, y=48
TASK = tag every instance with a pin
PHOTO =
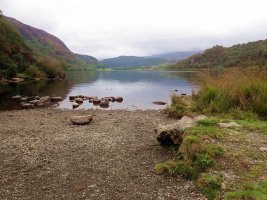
x=138, y=88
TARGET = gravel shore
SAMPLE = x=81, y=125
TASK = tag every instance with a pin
x=44, y=156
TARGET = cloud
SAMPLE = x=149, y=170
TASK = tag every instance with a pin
x=105, y=28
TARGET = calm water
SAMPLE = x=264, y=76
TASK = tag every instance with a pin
x=138, y=88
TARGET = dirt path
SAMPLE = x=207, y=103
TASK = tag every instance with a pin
x=43, y=156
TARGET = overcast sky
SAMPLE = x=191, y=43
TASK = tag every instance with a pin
x=108, y=28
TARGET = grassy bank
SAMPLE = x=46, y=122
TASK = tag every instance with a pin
x=225, y=163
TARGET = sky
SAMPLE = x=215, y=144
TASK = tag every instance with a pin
x=109, y=28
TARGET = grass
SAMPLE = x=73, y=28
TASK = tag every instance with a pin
x=250, y=191
x=207, y=151
x=210, y=185
x=179, y=106
x=244, y=89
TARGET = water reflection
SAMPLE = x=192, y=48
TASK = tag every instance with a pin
x=139, y=88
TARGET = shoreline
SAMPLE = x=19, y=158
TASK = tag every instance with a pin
x=44, y=156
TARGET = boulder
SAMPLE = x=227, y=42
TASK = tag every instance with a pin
x=40, y=104
x=16, y=97
x=17, y=80
x=159, y=102
x=96, y=101
x=34, y=102
x=44, y=99
x=75, y=105
x=28, y=106
x=104, y=104
x=81, y=120
x=56, y=99
x=24, y=99
x=119, y=99
x=172, y=134
x=71, y=98
x=78, y=100
x=229, y=125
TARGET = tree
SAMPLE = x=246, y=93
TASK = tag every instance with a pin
x=1, y=13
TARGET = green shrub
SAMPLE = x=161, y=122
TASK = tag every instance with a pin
x=213, y=150
x=257, y=192
x=208, y=122
x=11, y=72
x=33, y=71
x=168, y=166
x=201, y=164
x=178, y=107
x=210, y=185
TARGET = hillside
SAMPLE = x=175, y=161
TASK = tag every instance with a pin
x=34, y=53
x=175, y=56
x=87, y=59
x=123, y=62
x=15, y=55
x=46, y=44
x=241, y=55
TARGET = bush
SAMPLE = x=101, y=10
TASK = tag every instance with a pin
x=11, y=72
x=244, y=89
x=52, y=67
x=178, y=107
x=33, y=71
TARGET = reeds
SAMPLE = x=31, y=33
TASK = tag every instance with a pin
x=238, y=88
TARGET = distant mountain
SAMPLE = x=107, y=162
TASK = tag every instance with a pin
x=241, y=55
x=175, y=56
x=131, y=62
x=88, y=59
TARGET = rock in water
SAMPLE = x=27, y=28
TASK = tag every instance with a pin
x=44, y=99
x=28, y=106
x=78, y=100
x=16, y=97
x=56, y=99
x=81, y=120
x=71, y=98
x=104, y=104
x=119, y=99
x=159, y=102
x=75, y=105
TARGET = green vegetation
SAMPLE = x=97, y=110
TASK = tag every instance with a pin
x=209, y=153
x=250, y=191
x=178, y=107
x=133, y=62
x=210, y=185
x=241, y=55
x=31, y=53
x=233, y=89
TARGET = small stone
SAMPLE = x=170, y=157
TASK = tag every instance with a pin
x=71, y=98
x=78, y=100
x=104, y=104
x=24, y=98
x=96, y=101
x=28, y=106
x=56, y=99
x=40, y=104
x=229, y=125
x=81, y=120
x=263, y=148
x=44, y=99
x=75, y=105
x=119, y=99
x=159, y=102
x=16, y=97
